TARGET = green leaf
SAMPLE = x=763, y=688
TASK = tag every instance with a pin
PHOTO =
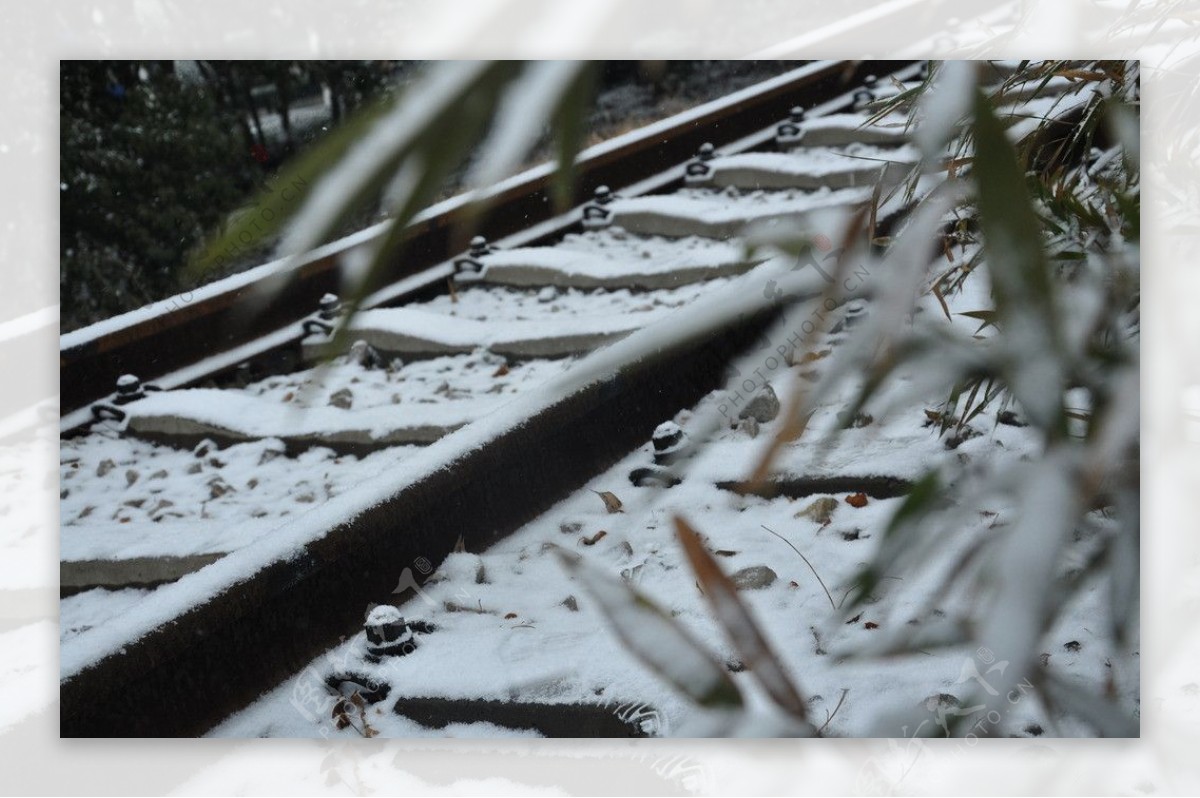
x=1022, y=284
x=568, y=122
x=282, y=198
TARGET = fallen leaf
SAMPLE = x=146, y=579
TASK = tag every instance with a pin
x=870, y=625
x=593, y=539
x=510, y=616
x=502, y=371
x=819, y=511
x=611, y=502
x=857, y=500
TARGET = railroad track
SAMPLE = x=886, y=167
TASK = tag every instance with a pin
x=257, y=504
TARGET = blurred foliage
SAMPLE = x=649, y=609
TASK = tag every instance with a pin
x=154, y=154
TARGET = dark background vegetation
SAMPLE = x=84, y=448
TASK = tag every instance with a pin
x=155, y=154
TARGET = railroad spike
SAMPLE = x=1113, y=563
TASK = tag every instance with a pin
x=597, y=214
x=863, y=98
x=698, y=170
x=129, y=389
x=789, y=133
x=469, y=268
x=329, y=307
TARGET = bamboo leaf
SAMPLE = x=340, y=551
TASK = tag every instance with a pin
x=569, y=120
x=656, y=639
x=1021, y=280
x=740, y=628
x=280, y=198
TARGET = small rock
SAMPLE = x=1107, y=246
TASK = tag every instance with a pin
x=218, y=487
x=820, y=511
x=160, y=474
x=271, y=452
x=749, y=426
x=1073, y=645
x=131, y=476
x=1034, y=730
x=365, y=355
x=203, y=448
x=941, y=700
x=195, y=468
x=570, y=603
x=104, y=467
x=756, y=577
x=763, y=408
x=852, y=534
x=343, y=399
x=1009, y=418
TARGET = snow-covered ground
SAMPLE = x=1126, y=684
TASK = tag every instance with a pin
x=510, y=623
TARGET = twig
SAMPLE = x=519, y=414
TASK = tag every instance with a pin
x=835, y=711
x=806, y=562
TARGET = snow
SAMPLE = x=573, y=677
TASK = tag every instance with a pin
x=818, y=162
x=413, y=331
x=82, y=611
x=511, y=642
x=384, y=614
x=634, y=269
x=199, y=587
x=944, y=105
x=215, y=412
x=707, y=213
x=549, y=652
x=517, y=625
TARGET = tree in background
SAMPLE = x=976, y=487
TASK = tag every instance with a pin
x=154, y=156
x=148, y=165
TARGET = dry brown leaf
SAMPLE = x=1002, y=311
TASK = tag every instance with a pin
x=502, y=371
x=738, y=624
x=594, y=538
x=857, y=500
x=611, y=502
